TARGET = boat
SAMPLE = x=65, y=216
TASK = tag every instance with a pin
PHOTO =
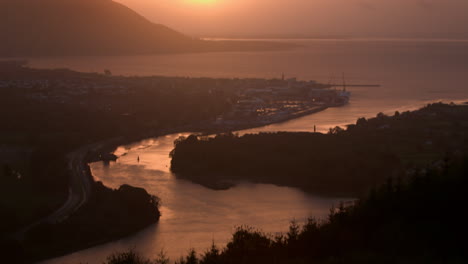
x=342, y=96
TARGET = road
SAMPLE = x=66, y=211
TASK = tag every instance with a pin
x=79, y=189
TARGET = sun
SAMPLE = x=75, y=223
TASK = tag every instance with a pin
x=202, y=2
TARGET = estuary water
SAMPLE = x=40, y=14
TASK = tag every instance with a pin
x=192, y=215
x=411, y=72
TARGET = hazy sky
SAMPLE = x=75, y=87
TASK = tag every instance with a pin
x=373, y=18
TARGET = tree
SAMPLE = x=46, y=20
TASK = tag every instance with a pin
x=211, y=256
x=127, y=257
x=381, y=115
x=162, y=258
x=294, y=231
x=335, y=131
x=361, y=121
x=191, y=258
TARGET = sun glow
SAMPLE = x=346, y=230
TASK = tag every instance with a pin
x=202, y=2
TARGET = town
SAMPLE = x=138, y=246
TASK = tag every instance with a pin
x=278, y=100
x=246, y=101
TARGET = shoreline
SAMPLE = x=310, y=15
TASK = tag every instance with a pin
x=204, y=127
x=362, y=149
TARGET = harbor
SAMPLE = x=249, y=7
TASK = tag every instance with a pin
x=280, y=100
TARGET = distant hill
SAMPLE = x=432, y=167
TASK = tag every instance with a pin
x=93, y=27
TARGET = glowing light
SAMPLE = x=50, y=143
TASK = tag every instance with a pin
x=202, y=2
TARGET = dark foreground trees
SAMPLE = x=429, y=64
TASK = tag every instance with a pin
x=108, y=215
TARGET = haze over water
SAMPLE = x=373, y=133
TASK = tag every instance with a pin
x=411, y=73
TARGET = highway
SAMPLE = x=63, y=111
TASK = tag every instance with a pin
x=79, y=190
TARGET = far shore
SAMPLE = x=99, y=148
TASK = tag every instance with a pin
x=204, y=128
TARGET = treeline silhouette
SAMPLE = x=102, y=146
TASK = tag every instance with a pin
x=420, y=221
x=41, y=188
x=343, y=162
x=109, y=214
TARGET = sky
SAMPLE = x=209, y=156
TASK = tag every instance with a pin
x=315, y=18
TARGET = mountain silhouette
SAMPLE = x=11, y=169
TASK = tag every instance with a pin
x=93, y=27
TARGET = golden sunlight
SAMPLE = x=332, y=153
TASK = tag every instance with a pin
x=202, y=2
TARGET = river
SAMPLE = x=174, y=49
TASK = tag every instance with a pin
x=411, y=72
